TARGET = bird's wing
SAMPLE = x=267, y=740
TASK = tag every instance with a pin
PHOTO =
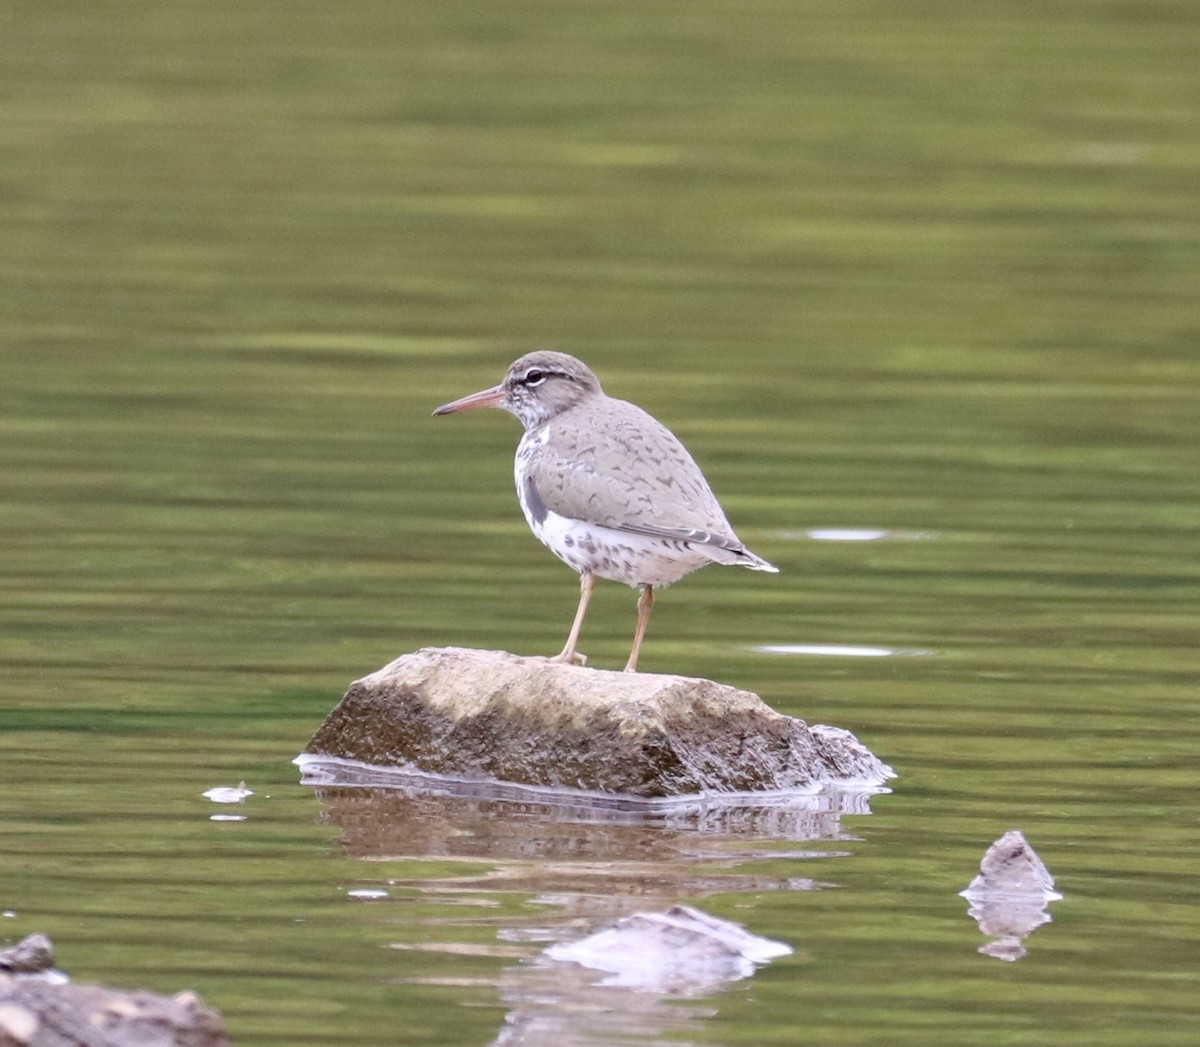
x=624, y=470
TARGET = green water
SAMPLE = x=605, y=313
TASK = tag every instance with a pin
x=929, y=270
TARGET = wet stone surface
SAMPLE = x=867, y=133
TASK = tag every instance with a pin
x=495, y=715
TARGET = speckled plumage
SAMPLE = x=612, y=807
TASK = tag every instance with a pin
x=607, y=488
x=609, y=464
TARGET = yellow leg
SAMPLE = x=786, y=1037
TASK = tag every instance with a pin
x=587, y=583
x=645, y=603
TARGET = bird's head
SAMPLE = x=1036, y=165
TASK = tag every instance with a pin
x=537, y=387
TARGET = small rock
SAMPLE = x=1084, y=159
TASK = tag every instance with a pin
x=1011, y=866
x=1009, y=896
x=494, y=715
x=228, y=793
x=31, y=955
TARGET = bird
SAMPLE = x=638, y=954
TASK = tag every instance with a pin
x=606, y=487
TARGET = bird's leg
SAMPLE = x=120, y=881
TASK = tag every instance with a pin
x=645, y=603
x=587, y=582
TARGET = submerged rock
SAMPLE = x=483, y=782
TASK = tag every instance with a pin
x=681, y=951
x=494, y=715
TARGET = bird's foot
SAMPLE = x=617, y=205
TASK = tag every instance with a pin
x=565, y=658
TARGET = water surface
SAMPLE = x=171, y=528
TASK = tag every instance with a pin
x=924, y=280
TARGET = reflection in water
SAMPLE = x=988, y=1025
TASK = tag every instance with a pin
x=1009, y=896
x=384, y=813
x=1008, y=922
x=593, y=859
x=855, y=534
x=557, y=1005
x=838, y=650
x=834, y=649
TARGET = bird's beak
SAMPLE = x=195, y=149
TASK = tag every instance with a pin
x=493, y=397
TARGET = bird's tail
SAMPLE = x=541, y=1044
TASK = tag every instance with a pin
x=738, y=557
x=720, y=548
x=756, y=563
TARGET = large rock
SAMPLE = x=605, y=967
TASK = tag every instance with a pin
x=490, y=714
x=37, y=1014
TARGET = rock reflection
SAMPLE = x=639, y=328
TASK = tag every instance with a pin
x=384, y=813
x=1009, y=896
x=555, y=1006
x=586, y=861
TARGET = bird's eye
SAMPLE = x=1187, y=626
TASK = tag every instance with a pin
x=534, y=376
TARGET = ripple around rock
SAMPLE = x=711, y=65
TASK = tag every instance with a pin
x=493, y=715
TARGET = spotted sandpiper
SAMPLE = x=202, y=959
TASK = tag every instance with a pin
x=607, y=488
